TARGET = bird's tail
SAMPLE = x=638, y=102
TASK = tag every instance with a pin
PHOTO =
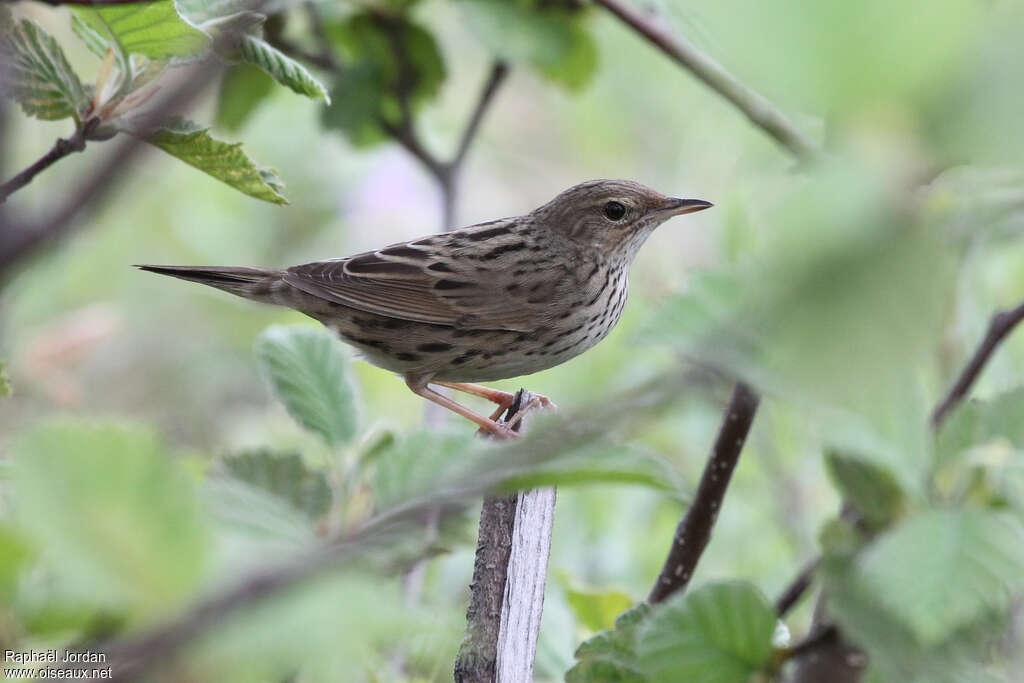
x=257, y=284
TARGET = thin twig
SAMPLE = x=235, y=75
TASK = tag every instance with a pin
x=999, y=327
x=62, y=148
x=694, y=530
x=759, y=110
x=20, y=240
x=796, y=588
x=499, y=70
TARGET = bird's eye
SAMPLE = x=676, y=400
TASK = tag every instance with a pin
x=614, y=211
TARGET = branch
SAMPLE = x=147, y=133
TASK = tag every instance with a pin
x=499, y=70
x=759, y=110
x=19, y=241
x=62, y=148
x=694, y=531
x=999, y=327
x=506, y=597
x=797, y=587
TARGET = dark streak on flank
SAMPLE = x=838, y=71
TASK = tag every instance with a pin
x=434, y=347
x=407, y=356
x=439, y=267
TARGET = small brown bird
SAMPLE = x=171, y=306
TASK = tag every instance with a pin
x=492, y=301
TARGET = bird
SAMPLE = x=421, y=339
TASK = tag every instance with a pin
x=495, y=300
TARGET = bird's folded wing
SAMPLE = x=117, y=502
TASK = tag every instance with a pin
x=410, y=283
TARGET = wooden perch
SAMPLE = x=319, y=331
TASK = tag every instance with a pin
x=506, y=598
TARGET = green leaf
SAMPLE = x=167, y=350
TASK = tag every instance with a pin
x=976, y=422
x=597, y=611
x=941, y=570
x=284, y=475
x=414, y=465
x=225, y=161
x=358, y=94
x=610, y=656
x=719, y=633
x=384, y=55
x=120, y=520
x=244, y=88
x=96, y=42
x=871, y=488
x=35, y=72
x=152, y=29
x=309, y=373
x=893, y=651
x=550, y=38
x=282, y=68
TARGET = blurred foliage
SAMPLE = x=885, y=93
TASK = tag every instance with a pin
x=144, y=467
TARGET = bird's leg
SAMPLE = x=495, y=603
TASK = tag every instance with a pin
x=419, y=386
x=502, y=398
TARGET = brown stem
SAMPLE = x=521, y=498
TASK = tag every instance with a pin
x=759, y=110
x=19, y=240
x=796, y=588
x=62, y=148
x=999, y=327
x=694, y=530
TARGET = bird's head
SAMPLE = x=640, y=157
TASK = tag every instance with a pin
x=612, y=217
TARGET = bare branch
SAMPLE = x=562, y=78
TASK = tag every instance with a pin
x=796, y=589
x=694, y=531
x=499, y=70
x=759, y=110
x=62, y=148
x=1002, y=323
x=19, y=240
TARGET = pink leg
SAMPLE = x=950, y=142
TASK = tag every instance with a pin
x=419, y=386
x=502, y=398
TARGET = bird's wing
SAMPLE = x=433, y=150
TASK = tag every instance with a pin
x=484, y=277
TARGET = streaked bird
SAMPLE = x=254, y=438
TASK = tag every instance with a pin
x=495, y=300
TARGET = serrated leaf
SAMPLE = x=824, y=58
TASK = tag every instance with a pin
x=719, y=633
x=120, y=517
x=871, y=488
x=943, y=569
x=96, y=42
x=225, y=161
x=244, y=88
x=285, y=475
x=35, y=72
x=597, y=610
x=550, y=38
x=281, y=68
x=611, y=655
x=309, y=373
x=152, y=29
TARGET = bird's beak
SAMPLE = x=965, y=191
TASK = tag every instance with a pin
x=677, y=207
